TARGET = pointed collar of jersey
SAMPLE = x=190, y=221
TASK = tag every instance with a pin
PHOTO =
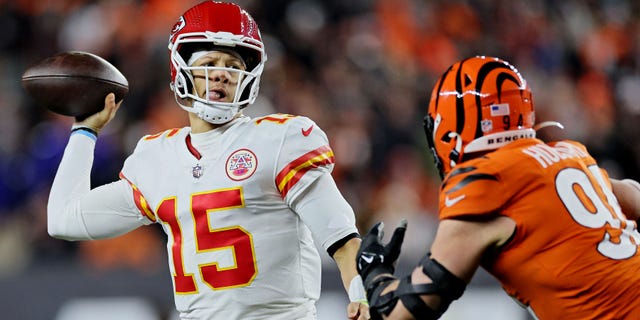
x=200, y=144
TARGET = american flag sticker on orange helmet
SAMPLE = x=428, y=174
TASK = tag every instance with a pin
x=499, y=109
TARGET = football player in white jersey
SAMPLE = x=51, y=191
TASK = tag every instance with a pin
x=242, y=201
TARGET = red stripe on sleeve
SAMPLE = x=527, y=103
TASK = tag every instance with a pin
x=140, y=201
x=296, y=169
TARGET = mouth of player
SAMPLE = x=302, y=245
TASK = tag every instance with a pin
x=217, y=95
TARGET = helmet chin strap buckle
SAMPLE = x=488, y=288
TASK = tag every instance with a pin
x=213, y=113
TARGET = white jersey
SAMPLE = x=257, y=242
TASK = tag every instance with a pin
x=236, y=249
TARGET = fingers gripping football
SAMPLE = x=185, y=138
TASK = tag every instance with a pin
x=374, y=258
x=97, y=121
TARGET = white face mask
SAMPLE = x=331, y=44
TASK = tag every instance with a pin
x=183, y=81
x=216, y=112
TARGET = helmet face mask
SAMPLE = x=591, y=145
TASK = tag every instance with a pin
x=479, y=104
x=215, y=26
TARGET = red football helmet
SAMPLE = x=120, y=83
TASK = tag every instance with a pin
x=478, y=104
x=211, y=26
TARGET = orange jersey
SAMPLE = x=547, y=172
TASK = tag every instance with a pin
x=574, y=254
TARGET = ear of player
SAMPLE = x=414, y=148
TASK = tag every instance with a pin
x=74, y=83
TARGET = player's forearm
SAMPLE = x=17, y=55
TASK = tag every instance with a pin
x=75, y=212
x=345, y=258
x=71, y=182
x=627, y=192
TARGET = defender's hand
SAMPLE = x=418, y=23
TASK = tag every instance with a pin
x=374, y=258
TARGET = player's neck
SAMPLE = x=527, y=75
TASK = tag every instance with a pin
x=200, y=126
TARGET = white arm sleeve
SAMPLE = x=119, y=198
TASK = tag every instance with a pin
x=325, y=212
x=74, y=212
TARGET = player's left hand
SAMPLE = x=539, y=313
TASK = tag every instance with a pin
x=374, y=258
x=358, y=311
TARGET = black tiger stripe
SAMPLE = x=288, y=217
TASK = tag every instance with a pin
x=460, y=116
x=472, y=178
x=483, y=73
x=504, y=77
x=437, y=92
x=456, y=171
x=460, y=170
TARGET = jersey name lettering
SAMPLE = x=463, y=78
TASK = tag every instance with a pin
x=547, y=155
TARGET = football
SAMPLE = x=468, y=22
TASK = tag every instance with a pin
x=74, y=83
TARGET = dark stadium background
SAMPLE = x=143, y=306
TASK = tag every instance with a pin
x=362, y=69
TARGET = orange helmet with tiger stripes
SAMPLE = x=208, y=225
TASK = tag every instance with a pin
x=479, y=104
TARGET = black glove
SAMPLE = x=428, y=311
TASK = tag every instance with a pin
x=373, y=258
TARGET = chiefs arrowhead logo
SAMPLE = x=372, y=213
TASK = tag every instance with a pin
x=241, y=164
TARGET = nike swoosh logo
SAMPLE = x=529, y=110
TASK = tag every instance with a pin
x=449, y=202
x=367, y=259
x=307, y=132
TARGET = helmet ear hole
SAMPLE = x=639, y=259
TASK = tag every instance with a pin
x=446, y=137
x=456, y=153
x=182, y=85
x=247, y=90
x=454, y=157
x=187, y=81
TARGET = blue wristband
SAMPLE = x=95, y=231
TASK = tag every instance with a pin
x=85, y=131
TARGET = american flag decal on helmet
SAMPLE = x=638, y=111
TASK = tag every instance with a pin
x=501, y=109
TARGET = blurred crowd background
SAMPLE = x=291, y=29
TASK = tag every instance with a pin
x=361, y=69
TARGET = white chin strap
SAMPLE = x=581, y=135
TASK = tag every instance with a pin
x=213, y=113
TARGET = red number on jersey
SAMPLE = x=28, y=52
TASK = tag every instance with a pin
x=279, y=118
x=235, y=238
